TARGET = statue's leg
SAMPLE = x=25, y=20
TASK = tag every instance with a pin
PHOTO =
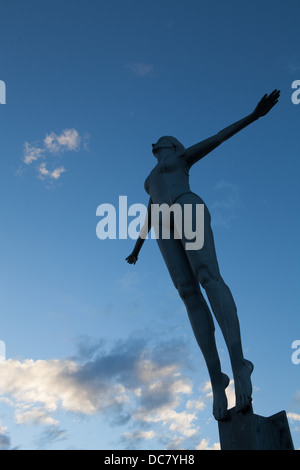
x=205, y=267
x=200, y=317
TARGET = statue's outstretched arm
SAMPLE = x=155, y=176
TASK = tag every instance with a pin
x=194, y=153
x=132, y=258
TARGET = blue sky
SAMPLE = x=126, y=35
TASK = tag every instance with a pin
x=99, y=353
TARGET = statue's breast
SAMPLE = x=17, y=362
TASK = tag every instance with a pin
x=166, y=175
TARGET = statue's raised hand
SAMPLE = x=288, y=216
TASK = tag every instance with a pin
x=132, y=258
x=266, y=104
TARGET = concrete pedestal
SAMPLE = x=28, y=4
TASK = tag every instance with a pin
x=248, y=431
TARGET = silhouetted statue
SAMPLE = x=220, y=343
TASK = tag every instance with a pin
x=168, y=183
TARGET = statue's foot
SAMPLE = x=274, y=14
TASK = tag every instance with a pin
x=243, y=386
x=220, y=410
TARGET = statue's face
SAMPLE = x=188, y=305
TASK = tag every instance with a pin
x=162, y=147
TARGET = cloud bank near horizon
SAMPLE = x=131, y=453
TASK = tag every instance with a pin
x=135, y=384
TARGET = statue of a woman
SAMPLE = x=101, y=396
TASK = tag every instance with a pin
x=168, y=183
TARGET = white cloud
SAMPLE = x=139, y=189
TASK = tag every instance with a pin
x=2, y=429
x=54, y=174
x=69, y=140
x=165, y=414
x=230, y=394
x=130, y=383
x=50, y=142
x=195, y=404
x=32, y=153
x=2, y=351
x=204, y=445
x=36, y=415
x=53, y=384
x=53, y=147
x=182, y=422
x=293, y=416
x=42, y=169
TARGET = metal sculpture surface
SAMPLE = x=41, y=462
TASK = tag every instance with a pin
x=168, y=183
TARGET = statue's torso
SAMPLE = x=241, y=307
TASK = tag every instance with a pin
x=168, y=180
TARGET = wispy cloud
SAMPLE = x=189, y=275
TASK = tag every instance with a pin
x=293, y=63
x=297, y=398
x=140, y=69
x=224, y=209
x=128, y=281
x=137, y=436
x=170, y=24
x=293, y=67
x=52, y=148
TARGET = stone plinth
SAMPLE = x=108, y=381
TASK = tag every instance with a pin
x=248, y=431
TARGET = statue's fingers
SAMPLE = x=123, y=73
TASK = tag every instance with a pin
x=275, y=100
x=275, y=94
x=264, y=97
x=272, y=97
x=274, y=103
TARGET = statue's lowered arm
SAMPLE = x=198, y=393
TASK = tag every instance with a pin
x=132, y=258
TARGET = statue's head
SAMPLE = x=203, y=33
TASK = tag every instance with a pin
x=167, y=143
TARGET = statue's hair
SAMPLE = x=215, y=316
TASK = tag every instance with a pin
x=178, y=146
